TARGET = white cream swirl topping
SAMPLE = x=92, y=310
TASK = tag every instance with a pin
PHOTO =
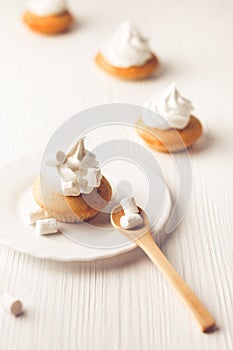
x=45, y=8
x=79, y=170
x=127, y=47
x=171, y=110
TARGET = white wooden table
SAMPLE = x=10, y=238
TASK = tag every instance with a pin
x=123, y=303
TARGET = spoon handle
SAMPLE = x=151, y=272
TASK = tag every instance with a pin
x=197, y=309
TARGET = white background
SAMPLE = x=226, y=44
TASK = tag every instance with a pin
x=123, y=303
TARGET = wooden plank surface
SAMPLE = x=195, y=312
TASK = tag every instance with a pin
x=123, y=303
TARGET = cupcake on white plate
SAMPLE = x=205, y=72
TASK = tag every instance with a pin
x=84, y=190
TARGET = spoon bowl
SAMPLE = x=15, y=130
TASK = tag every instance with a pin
x=133, y=233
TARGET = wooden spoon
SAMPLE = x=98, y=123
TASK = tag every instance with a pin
x=143, y=238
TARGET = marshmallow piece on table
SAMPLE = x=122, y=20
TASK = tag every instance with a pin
x=35, y=214
x=11, y=304
x=129, y=206
x=46, y=227
x=130, y=221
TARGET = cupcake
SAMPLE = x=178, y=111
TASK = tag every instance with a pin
x=48, y=16
x=171, y=127
x=83, y=190
x=127, y=54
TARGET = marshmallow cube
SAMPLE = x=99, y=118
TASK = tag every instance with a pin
x=35, y=214
x=61, y=157
x=130, y=221
x=89, y=178
x=82, y=172
x=94, y=177
x=129, y=206
x=46, y=227
x=11, y=304
x=89, y=160
x=68, y=174
x=70, y=188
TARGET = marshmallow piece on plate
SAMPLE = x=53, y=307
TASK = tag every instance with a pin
x=35, y=214
x=11, y=304
x=129, y=206
x=46, y=227
x=130, y=221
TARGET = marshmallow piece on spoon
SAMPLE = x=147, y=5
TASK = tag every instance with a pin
x=129, y=205
x=132, y=217
x=46, y=227
x=130, y=221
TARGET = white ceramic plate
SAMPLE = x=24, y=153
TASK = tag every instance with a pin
x=95, y=241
